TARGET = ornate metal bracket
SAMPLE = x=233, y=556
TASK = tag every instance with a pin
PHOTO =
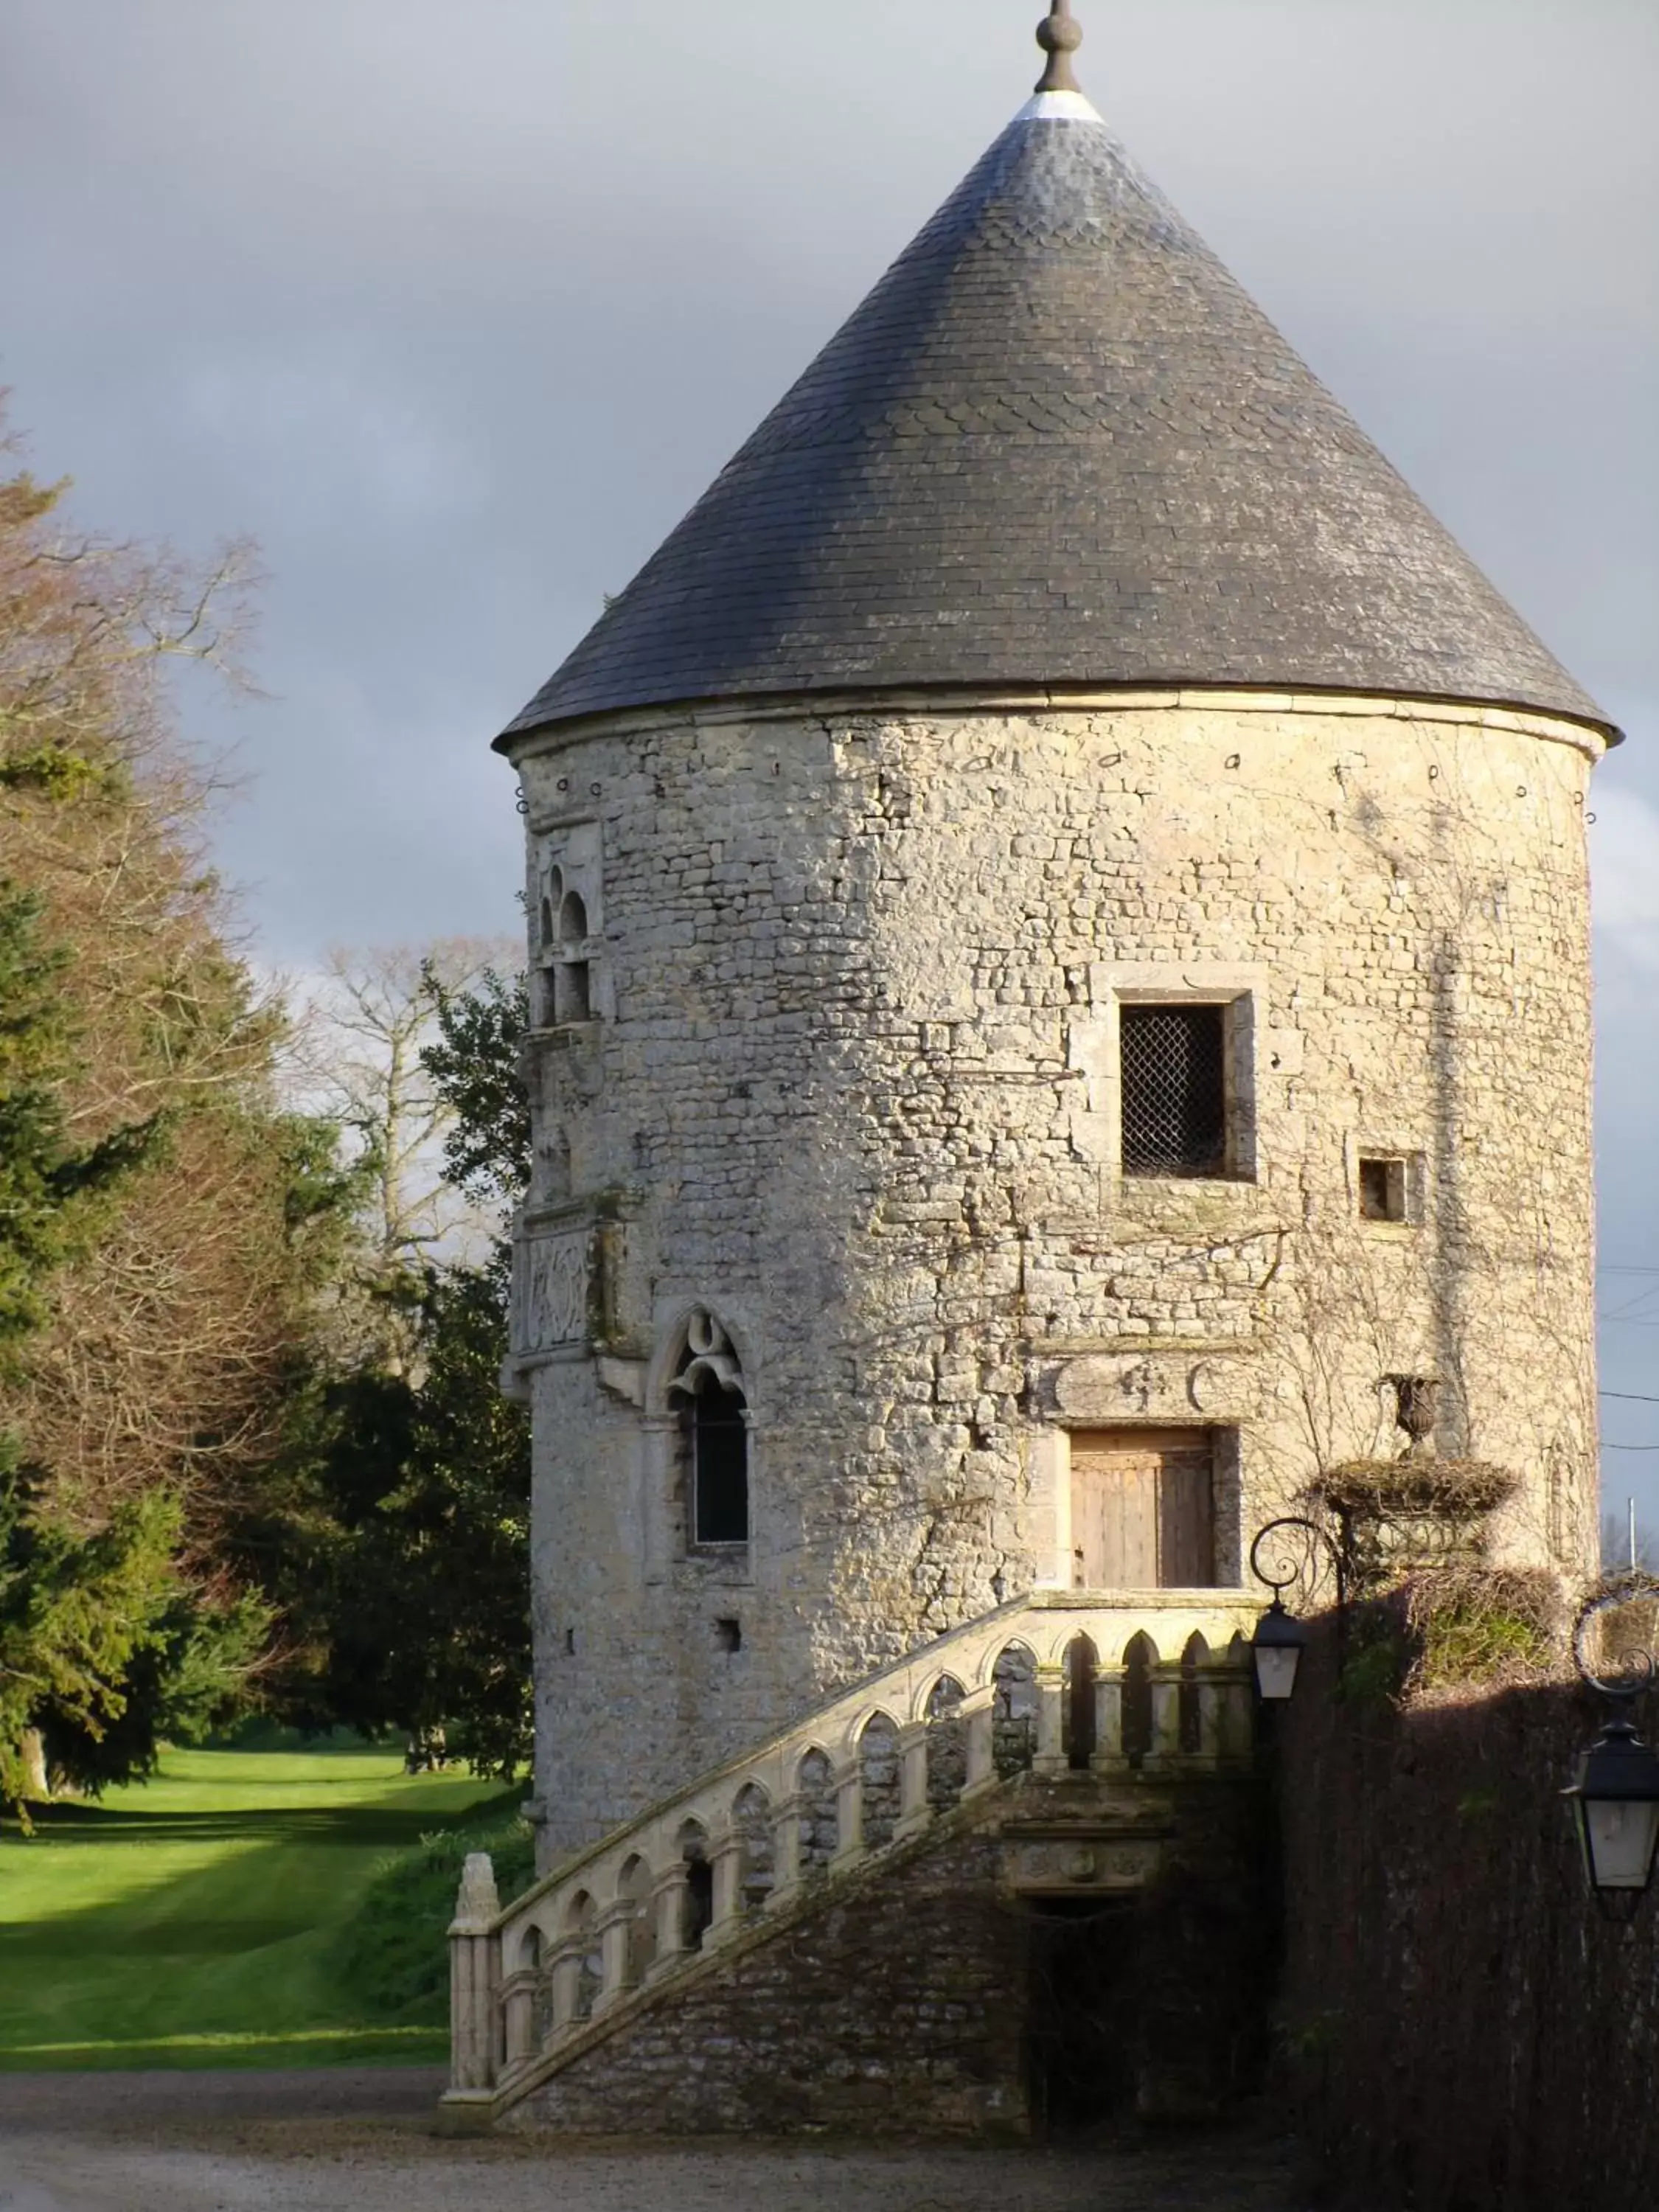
x=1299, y=1571
x=1638, y=1669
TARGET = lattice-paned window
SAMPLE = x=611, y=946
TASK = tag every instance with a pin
x=1173, y=1069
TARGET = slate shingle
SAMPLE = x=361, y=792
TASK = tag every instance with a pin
x=1058, y=444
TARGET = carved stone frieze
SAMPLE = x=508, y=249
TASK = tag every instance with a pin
x=1143, y=1386
x=1085, y=1863
x=553, y=1287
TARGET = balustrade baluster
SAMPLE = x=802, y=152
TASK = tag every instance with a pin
x=519, y=2007
x=1050, y=1757
x=1166, y=1715
x=672, y=1900
x=725, y=1858
x=978, y=1714
x=1108, y=1757
x=849, y=1813
x=566, y=1978
x=615, y=1956
x=915, y=1813
x=785, y=1854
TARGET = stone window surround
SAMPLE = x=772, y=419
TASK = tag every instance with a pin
x=572, y=844
x=669, y=1548
x=1094, y=1048
x=1369, y=1146
x=1052, y=1475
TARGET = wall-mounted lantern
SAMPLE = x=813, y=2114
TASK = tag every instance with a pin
x=1280, y=1638
x=1615, y=1795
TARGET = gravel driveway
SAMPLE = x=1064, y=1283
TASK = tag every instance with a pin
x=360, y=2140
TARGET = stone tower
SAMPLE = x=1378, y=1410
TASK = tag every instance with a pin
x=1059, y=952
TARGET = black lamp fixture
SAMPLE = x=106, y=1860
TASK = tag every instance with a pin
x=1615, y=1794
x=1280, y=1638
x=1277, y=1648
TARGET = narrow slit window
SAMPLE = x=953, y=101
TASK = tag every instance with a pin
x=720, y=1465
x=1173, y=1067
x=714, y=1419
x=573, y=998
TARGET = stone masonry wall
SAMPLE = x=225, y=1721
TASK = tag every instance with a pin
x=899, y=2010
x=1463, y=2030
x=851, y=1088
x=923, y=2000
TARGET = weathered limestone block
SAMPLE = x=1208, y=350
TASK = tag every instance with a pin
x=850, y=1084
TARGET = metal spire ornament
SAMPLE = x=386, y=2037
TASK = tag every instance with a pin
x=1059, y=35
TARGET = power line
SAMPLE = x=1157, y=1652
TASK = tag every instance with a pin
x=1635, y=1397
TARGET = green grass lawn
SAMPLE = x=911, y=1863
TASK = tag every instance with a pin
x=195, y=1919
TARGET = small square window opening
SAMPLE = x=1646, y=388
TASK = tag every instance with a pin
x=728, y=1634
x=1383, y=1190
x=1173, y=1067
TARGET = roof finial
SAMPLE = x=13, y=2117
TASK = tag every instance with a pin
x=1059, y=35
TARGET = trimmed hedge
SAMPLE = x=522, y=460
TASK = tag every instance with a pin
x=395, y=1964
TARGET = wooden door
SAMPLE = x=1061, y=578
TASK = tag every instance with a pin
x=1143, y=1511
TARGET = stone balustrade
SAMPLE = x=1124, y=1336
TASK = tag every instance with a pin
x=1055, y=1682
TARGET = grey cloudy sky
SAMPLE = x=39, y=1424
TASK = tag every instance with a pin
x=456, y=305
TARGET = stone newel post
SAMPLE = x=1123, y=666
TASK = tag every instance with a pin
x=475, y=2033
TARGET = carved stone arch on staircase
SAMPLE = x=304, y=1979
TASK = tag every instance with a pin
x=693, y=1847
x=1079, y=1661
x=818, y=1805
x=947, y=1679
x=632, y=1879
x=1013, y=1675
x=750, y=1823
x=853, y=1734
x=1050, y=1636
x=878, y=1754
x=1140, y=1657
x=581, y=1945
x=1194, y=1658
x=946, y=1742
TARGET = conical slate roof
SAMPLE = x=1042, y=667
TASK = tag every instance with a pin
x=1057, y=444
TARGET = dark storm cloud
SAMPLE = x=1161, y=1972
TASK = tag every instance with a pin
x=456, y=307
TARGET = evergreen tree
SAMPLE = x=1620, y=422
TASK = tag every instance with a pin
x=401, y=1554
x=165, y=1228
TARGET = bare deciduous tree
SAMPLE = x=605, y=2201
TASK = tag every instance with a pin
x=357, y=1056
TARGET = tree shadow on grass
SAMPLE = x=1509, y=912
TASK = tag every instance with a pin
x=385, y=1825
x=231, y=1961
x=389, y=1826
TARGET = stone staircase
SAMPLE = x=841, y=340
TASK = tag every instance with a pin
x=1057, y=1687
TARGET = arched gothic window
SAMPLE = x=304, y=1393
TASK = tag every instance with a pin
x=707, y=1387
x=572, y=998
